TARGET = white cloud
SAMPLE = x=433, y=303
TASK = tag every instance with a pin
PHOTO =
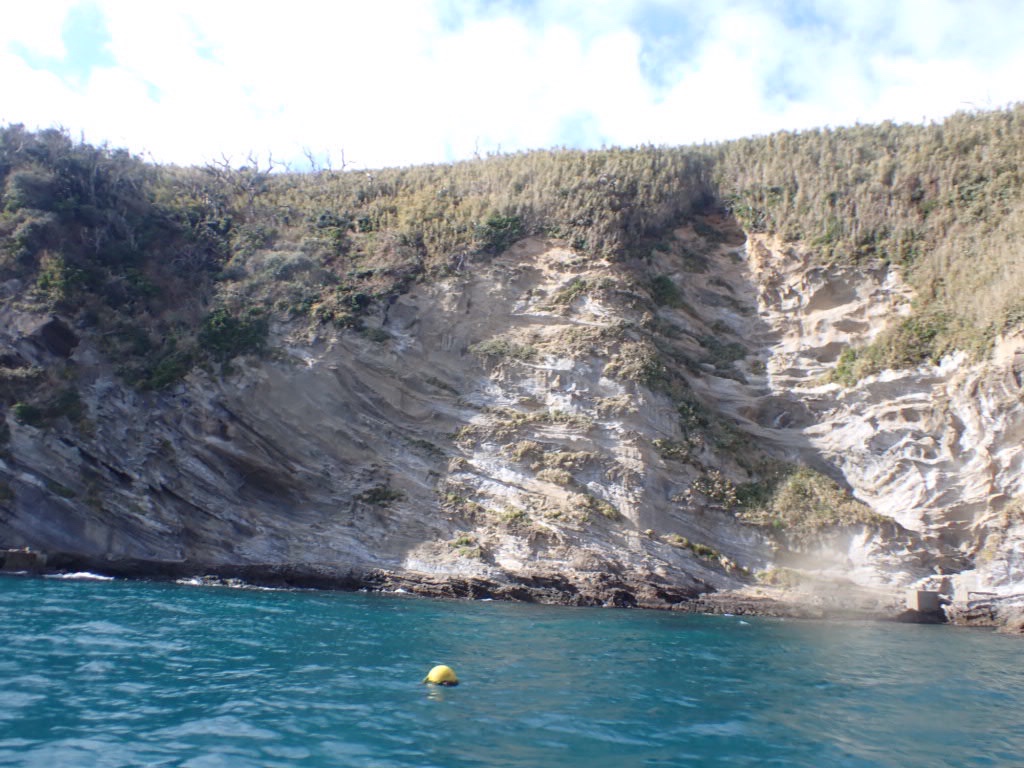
x=36, y=26
x=408, y=81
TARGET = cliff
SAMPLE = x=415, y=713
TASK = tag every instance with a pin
x=618, y=387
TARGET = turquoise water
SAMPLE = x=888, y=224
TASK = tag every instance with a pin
x=133, y=674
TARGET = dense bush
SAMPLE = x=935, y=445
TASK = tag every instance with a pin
x=224, y=336
x=799, y=500
x=498, y=232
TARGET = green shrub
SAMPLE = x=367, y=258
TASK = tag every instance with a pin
x=575, y=288
x=503, y=349
x=587, y=503
x=381, y=495
x=702, y=551
x=722, y=353
x=637, y=361
x=944, y=201
x=378, y=335
x=30, y=188
x=664, y=292
x=169, y=370
x=673, y=449
x=920, y=338
x=65, y=403
x=716, y=487
x=224, y=336
x=465, y=545
x=31, y=233
x=556, y=476
x=693, y=416
x=61, y=403
x=31, y=415
x=498, y=232
x=802, y=500
x=58, y=279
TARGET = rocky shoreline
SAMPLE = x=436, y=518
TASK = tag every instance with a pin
x=579, y=590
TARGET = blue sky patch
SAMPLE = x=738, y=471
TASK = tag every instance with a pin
x=86, y=41
x=581, y=129
x=671, y=37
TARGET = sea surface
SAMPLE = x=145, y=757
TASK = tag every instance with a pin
x=113, y=673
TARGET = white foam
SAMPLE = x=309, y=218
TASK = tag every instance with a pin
x=230, y=583
x=80, y=576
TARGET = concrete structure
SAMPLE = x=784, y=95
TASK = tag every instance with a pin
x=923, y=601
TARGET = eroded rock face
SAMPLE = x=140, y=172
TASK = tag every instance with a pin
x=529, y=428
x=499, y=432
x=938, y=449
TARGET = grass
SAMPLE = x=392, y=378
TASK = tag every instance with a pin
x=920, y=338
x=466, y=545
x=576, y=288
x=716, y=487
x=567, y=459
x=523, y=449
x=702, y=551
x=673, y=449
x=556, y=476
x=587, y=504
x=637, y=361
x=799, y=500
x=501, y=349
x=505, y=423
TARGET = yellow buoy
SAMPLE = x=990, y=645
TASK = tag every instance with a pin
x=441, y=675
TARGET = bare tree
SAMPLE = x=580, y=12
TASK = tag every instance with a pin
x=248, y=181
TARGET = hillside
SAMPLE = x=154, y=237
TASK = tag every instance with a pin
x=626, y=376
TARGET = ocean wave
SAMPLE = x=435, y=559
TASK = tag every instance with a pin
x=230, y=583
x=80, y=576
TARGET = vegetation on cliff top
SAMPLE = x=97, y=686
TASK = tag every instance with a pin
x=174, y=267
x=944, y=202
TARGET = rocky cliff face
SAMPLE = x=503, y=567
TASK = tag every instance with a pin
x=936, y=448
x=539, y=425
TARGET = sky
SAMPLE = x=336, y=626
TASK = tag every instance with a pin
x=367, y=84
